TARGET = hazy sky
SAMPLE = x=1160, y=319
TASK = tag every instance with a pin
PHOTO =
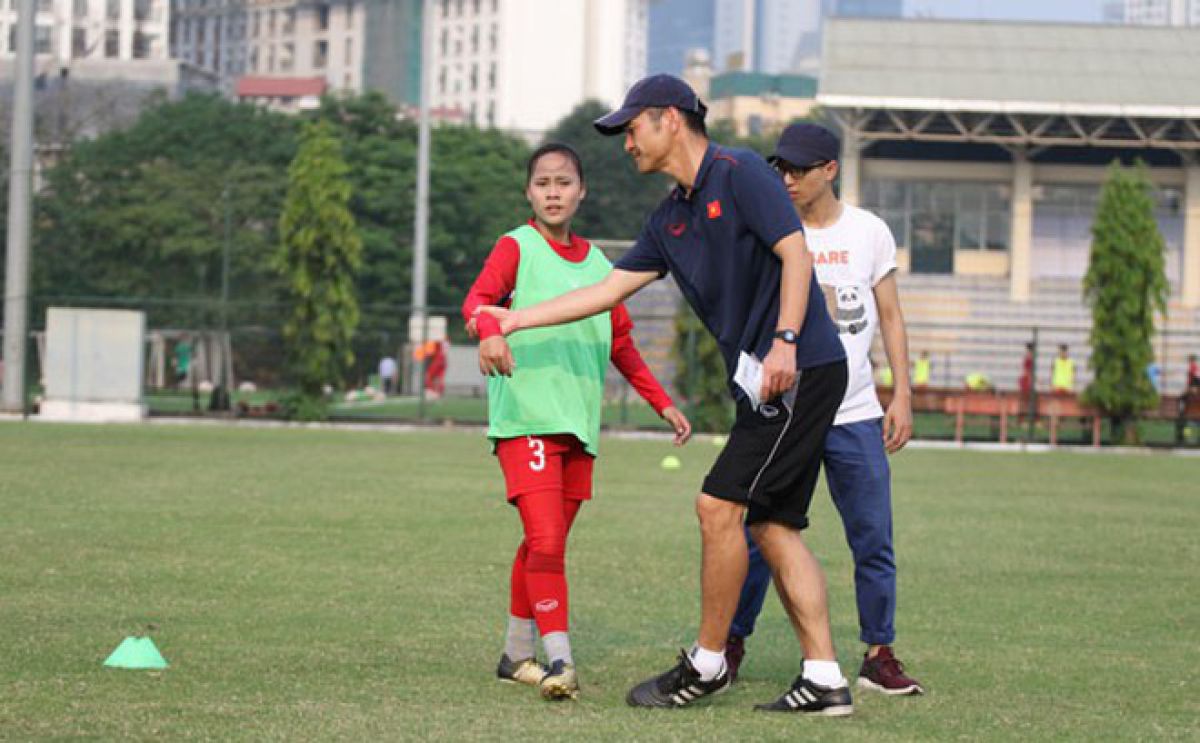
x=1031, y=10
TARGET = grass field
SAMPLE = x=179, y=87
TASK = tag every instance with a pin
x=322, y=584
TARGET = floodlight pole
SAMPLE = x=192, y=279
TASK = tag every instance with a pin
x=225, y=258
x=421, y=221
x=421, y=217
x=20, y=199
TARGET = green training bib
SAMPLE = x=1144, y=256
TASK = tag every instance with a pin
x=558, y=383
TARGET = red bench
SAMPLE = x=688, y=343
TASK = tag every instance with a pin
x=987, y=404
x=924, y=399
x=1057, y=406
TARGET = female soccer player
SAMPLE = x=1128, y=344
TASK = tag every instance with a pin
x=545, y=391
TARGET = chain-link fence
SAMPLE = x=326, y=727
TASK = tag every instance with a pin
x=205, y=358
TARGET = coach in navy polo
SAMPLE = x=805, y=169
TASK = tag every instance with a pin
x=730, y=236
x=715, y=238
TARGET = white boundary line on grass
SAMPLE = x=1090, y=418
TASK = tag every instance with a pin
x=981, y=446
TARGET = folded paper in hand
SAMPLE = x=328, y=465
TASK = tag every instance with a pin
x=749, y=377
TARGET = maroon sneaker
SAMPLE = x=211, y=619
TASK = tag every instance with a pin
x=885, y=673
x=735, y=650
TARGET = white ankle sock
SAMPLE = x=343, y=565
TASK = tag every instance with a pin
x=520, y=638
x=824, y=673
x=558, y=647
x=709, y=663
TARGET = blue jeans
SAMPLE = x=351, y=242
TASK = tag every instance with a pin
x=859, y=479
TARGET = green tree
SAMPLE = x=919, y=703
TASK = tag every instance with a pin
x=380, y=150
x=477, y=193
x=477, y=183
x=141, y=213
x=319, y=252
x=619, y=198
x=1125, y=285
x=149, y=212
x=700, y=373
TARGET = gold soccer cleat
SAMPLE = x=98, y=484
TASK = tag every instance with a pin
x=527, y=671
x=560, y=682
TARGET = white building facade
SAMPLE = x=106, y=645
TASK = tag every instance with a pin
x=1163, y=12
x=70, y=30
x=97, y=63
x=522, y=65
x=274, y=38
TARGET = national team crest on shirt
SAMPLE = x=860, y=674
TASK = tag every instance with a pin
x=714, y=209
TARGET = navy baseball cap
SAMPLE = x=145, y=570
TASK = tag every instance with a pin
x=806, y=144
x=656, y=91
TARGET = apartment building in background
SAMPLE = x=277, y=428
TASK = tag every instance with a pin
x=514, y=64
x=287, y=53
x=96, y=63
x=1162, y=12
x=522, y=65
x=67, y=31
x=676, y=28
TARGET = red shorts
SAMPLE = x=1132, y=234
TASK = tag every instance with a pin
x=551, y=462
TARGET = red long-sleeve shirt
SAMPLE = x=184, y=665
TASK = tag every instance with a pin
x=496, y=282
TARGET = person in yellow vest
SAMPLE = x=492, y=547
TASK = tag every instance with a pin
x=921, y=369
x=1062, y=375
x=977, y=381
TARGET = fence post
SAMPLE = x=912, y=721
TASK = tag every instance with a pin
x=26, y=398
x=424, y=367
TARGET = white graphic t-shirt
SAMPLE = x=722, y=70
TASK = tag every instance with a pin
x=851, y=257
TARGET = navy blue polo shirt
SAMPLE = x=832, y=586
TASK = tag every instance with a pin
x=717, y=243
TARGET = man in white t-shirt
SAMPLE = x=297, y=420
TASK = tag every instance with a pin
x=854, y=256
x=389, y=374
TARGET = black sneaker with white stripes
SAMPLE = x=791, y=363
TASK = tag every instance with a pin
x=678, y=687
x=812, y=699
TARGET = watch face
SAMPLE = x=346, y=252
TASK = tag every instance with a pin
x=787, y=336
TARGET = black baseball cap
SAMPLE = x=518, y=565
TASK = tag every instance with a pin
x=806, y=144
x=656, y=91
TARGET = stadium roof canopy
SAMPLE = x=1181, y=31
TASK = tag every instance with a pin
x=738, y=83
x=1031, y=84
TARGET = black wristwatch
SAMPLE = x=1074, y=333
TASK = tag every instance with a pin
x=787, y=336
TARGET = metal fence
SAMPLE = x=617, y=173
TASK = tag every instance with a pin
x=238, y=348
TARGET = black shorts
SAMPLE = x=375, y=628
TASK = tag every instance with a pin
x=773, y=455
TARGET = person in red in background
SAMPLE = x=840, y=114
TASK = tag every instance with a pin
x=1025, y=384
x=433, y=354
x=1193, y=376
x=544, y=400
x=435, y=369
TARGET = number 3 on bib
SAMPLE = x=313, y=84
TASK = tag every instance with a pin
x=538, y=461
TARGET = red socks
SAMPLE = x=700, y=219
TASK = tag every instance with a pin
x=538, y=585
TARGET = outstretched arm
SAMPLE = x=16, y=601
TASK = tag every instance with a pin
x=581, y=303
